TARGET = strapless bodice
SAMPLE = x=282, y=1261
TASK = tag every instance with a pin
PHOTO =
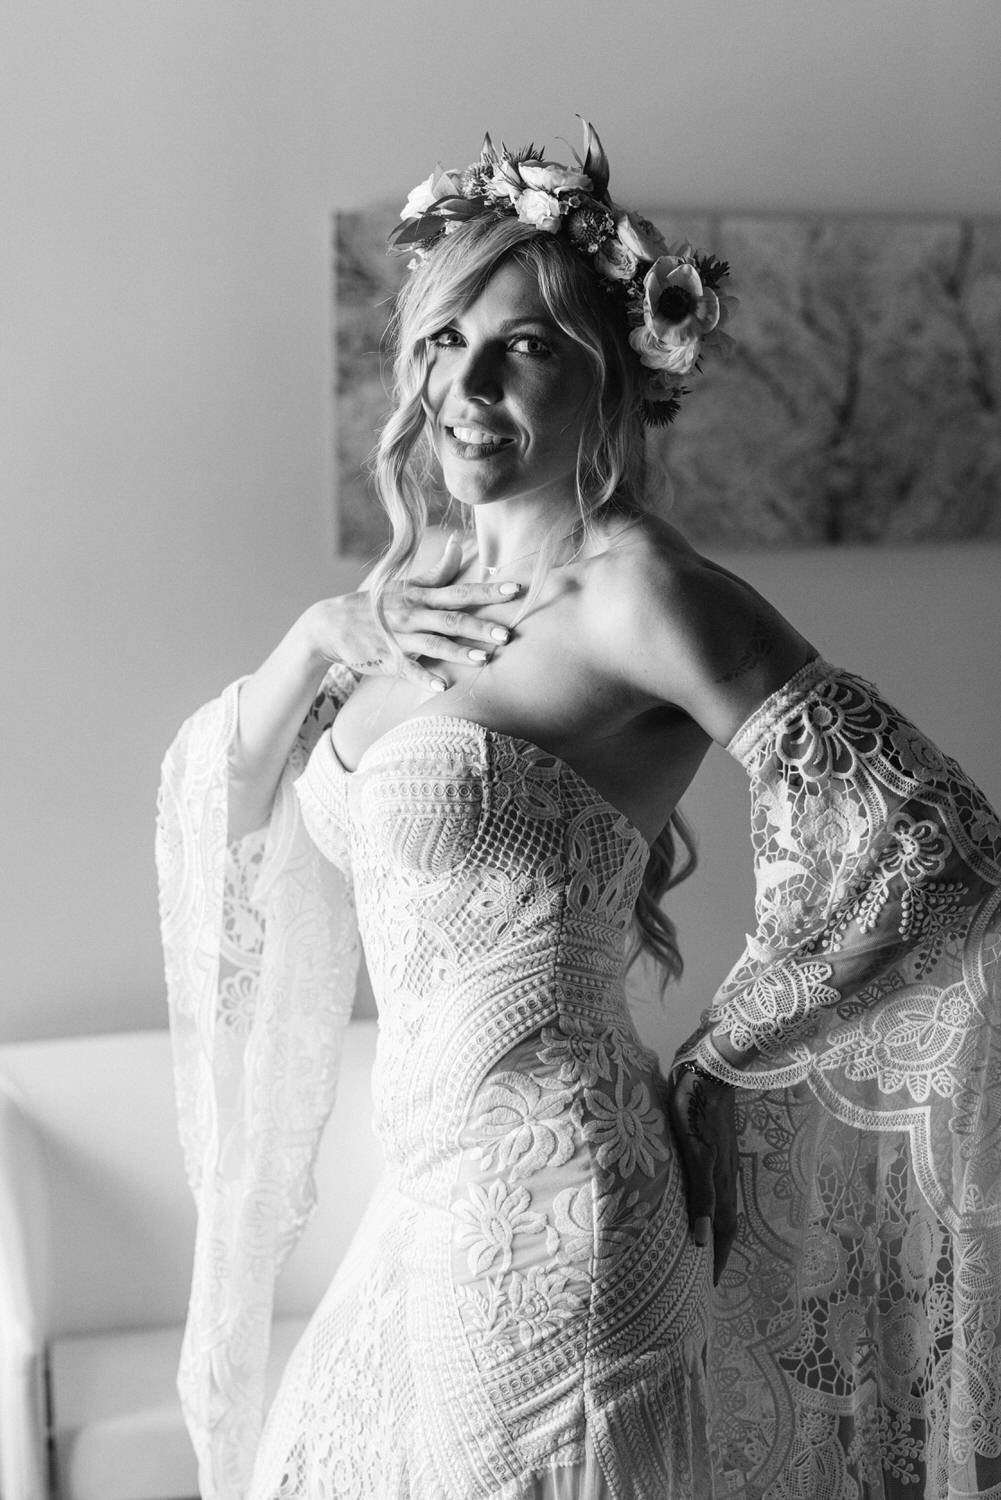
x=495, y=889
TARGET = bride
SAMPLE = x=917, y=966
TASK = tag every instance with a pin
x=478, y=757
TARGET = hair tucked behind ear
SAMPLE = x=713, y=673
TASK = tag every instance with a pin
x=611, y=467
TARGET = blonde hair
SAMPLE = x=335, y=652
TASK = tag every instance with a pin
x=610, y=469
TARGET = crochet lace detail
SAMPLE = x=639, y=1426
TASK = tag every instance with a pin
x=523, y=1313
x=523, y=1309
x=859, y=1324
x=260, y=955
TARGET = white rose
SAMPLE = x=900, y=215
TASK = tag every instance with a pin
x=425, y=195
x=550, y=177
x=421, y=198
x=678, y=358
x=640, y=237
x=540, y=209
x=505, y=181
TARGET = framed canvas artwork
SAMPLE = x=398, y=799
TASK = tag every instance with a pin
x=862, y=403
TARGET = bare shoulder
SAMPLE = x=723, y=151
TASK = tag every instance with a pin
x=685, y=631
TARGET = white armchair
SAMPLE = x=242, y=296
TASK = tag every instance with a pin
x=96, y=1235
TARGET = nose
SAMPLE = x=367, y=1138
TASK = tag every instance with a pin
x=477, y=377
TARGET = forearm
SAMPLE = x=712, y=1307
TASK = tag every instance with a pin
x=873, y=856
x=800, y=986
x=273, y=704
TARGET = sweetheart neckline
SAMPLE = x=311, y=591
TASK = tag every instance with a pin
x=497, y=734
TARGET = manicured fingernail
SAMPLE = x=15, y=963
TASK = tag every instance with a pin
x=703, y=1230
x=510, y=588
x=475, y=655
x=439, y=684
x=500, y=634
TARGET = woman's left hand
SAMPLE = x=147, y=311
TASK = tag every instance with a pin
x=702, y=1118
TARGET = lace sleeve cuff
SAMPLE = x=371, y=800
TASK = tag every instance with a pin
x=761, y=723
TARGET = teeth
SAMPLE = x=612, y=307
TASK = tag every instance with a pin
x=476, y=436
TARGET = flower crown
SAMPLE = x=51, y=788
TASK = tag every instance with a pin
x=670, y=294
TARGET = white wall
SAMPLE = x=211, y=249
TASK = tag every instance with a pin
x=165, y=350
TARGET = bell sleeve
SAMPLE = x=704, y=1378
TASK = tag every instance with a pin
x=862, y=1027
x=261, y=956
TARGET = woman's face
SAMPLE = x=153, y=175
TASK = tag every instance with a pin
x=506, y=394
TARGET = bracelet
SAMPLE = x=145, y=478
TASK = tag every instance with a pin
x=700, y=1072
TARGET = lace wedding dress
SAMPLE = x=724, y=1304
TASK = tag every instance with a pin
x=523, y=1313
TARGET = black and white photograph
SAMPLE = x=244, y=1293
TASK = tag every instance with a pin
x=501, y=595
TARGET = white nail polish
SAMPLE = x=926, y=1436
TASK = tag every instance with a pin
x=510, y=588
x=500, y=634
x=475, y=655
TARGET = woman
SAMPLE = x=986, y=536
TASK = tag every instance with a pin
x=489, y=741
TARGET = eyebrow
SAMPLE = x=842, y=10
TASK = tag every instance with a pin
x=542, y=319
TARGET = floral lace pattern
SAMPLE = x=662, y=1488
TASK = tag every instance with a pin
x=858, y=1342
x=523, y=1313
x=260, y=953
x=533, y=1307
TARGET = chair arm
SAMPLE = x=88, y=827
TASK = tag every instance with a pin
x=24, y=1267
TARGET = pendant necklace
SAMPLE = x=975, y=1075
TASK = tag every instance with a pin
x=488, y=572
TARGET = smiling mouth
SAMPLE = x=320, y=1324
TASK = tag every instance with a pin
x=476, y=442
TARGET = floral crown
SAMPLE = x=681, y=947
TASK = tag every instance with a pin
x=670, y=294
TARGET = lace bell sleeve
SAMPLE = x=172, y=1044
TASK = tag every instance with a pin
x=261, y=957
x=877, y=871
x=863, y=1016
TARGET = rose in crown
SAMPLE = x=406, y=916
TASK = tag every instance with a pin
x=671, y=294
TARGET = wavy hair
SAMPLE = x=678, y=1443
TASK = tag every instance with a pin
x=610, y=469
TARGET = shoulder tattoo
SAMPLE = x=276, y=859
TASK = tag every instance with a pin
x=758, y=646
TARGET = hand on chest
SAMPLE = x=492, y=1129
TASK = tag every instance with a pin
x=559, y=685
x=543, y=685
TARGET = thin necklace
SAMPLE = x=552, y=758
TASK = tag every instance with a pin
x=488, y=572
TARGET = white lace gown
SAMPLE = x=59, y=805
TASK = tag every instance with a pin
x=523, y=1313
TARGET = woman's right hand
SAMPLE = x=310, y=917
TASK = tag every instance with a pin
x=428, y=615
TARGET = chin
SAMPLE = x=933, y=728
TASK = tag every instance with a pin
x=468, y=492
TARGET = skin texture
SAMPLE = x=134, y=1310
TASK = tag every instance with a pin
x=503, y=366
x=635, y=656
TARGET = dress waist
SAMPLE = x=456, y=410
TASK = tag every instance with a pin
x=518, y=1079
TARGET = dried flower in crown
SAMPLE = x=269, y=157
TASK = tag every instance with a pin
x=671, y=295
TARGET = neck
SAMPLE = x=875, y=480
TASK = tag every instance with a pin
x=503, y=539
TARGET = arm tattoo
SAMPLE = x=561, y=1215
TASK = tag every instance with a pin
x=697, y=1112
x=759, y=644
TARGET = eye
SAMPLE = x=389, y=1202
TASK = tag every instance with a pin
x=532, y=343
x=445, y=338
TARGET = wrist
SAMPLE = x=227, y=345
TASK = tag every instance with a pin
x=698, y=1071
x=722, y=1047
x=714, y=1056
x=317, y=634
